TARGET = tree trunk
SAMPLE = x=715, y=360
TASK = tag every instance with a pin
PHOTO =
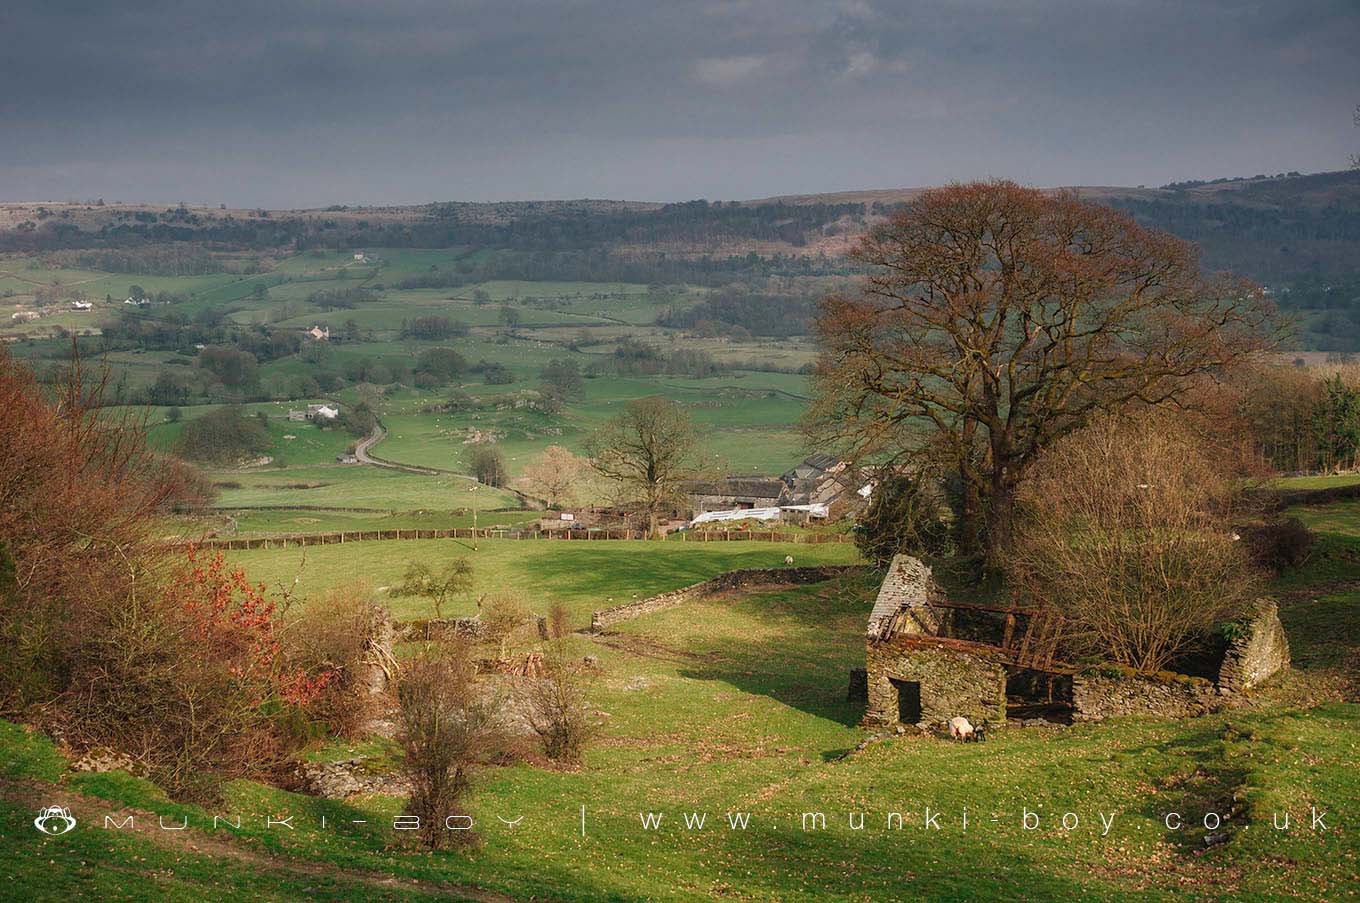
x=1000, y=510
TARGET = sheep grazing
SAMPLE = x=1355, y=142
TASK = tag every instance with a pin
x=960, y=728
x=980, y=733
x=788, y=559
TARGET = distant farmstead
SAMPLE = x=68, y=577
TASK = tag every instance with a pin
x=730, y=493
x=319, y=333
x=315, y=412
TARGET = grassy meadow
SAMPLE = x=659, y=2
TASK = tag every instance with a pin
x=736, y=704
x=726, y=705
x=584, y=575
x=747, y=416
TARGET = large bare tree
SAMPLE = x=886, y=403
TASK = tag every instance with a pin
x=648, y=450
x=996, y=319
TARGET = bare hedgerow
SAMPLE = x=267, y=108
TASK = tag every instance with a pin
x=559, y=620
x=450, y=725
x=557, y=705
x=1125, y=531
x=502, y=615
x=343, y=633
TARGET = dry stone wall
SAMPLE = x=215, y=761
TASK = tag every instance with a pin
x=1257, y=652
x=1097, y=695
x=738, y=579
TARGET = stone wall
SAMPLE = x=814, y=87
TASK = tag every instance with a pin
x=903, y=598
x=1100, y=694
x=1260, y=650
x=728, y=581
x=858, y=690
x=435, y=628
x=954, y=680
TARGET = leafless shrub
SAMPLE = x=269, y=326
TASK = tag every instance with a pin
x=559, y=620
x=558, y=708
x=502, y=615
x=1278, y=545
x=449, y=726
x=1124, y=532
x=343, y=633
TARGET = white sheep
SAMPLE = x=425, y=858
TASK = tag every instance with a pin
x=960, y=728
x=788, y=559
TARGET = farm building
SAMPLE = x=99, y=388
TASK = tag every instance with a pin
x=320, y=412
x=928, y=660
x=319, y=333
x=823, y=479
x=735, y=493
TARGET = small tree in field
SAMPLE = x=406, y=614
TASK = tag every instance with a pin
x=449, y=726
x=555, y=476
x=558, y=708
x=488, y=466
x=649, y=451
x=438, y=585
x=1123, y=532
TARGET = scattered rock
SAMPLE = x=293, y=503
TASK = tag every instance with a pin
x=346, y=778
x=102, y=760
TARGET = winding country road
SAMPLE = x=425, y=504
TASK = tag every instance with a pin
x=373, y=438
x=361, y=452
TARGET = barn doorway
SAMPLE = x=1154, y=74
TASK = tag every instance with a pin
x=1038, y=694
x=908, y=700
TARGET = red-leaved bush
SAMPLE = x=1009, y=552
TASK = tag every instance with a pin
x=113, y=638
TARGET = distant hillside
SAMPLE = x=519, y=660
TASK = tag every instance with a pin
x=1298, y=234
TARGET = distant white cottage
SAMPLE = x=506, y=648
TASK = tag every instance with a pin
x=322, y=412
x=82, y=305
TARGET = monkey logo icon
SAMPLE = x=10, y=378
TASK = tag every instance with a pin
x=54, y=820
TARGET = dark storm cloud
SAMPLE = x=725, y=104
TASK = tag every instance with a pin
x=285, y=102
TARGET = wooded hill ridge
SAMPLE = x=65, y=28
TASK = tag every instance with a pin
x=1268, y=228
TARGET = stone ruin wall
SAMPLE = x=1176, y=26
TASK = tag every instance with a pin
x=970, y=682
x=953, y=682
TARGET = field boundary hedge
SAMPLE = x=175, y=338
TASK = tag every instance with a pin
x=290, y=540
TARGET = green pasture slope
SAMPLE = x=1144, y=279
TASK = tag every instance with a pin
x=702, y=719
x=585, y=575
x=736, y=704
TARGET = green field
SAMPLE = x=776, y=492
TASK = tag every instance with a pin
x=585, y=575
x=256, y=522
x=748, y=419
x=355, y=486
x=737, y=704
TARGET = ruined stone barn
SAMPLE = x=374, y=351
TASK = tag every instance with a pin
x=914, y=674
x=928, y=659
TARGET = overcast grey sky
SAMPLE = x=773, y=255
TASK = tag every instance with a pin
x=307, y=103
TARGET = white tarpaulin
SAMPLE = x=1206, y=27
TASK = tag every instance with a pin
x=709, y=517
